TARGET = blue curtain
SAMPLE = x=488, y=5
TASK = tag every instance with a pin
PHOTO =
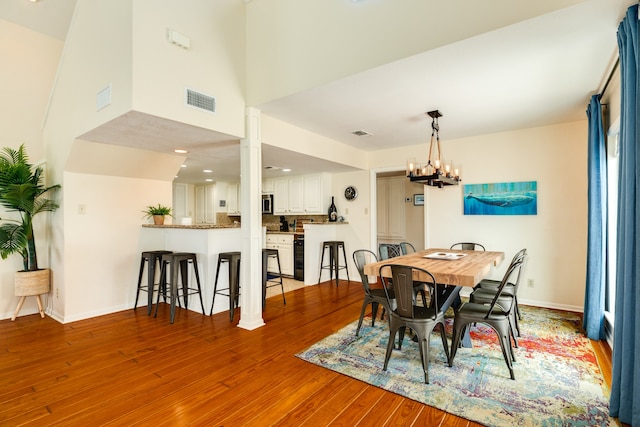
x=625, y=387
x=593, y=321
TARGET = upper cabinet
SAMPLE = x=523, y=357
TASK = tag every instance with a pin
x=233, y=199
x=205, y=211
x=301, y=195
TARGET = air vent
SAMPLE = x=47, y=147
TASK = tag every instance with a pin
x=200, y=100
x=360, y=133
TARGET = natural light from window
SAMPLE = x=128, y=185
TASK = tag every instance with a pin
x=612, y=223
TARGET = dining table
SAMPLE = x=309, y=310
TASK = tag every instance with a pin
x=452, y=269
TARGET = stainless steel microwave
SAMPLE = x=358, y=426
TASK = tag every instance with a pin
x=267, y=204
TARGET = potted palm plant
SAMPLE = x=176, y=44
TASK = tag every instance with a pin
x=22, y=191
x=157, y=213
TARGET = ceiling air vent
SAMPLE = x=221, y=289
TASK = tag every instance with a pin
x=200, y=100
x=360, y=132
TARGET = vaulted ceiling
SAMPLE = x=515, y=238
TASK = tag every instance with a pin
x=538, y=71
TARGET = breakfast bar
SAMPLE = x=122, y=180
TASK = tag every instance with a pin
x=206, y=241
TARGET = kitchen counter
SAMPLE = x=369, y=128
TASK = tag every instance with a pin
x=191, y=227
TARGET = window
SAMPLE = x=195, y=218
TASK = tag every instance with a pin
x=612, y=223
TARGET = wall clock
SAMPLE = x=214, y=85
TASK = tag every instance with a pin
x=350, y=192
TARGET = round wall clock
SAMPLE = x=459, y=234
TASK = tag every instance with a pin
x=350, y=192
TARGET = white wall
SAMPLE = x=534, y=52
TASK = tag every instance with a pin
x=29, y=63
x=123, y=43
x=555, y=157
x=214, y=65
x=101, y=252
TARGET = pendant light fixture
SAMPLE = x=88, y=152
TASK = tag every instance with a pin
x=436, y=172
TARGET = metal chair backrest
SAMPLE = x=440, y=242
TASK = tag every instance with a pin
x=402, y=279
x=513, y=269
x=389, y=250
x=468, y=246
x=407, y=248
x=362, y=257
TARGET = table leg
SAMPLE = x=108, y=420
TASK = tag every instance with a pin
x=448, y=296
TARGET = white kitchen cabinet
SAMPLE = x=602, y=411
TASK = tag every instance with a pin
x=204, y=204
x=300, y=195
x=267, y=186
x=233, y=199
x=315, y=188
x=390, y=208
x=296, y=195
x=281, y=196
x=284, y=244
x=180, y=201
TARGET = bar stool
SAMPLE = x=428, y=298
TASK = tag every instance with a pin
x=271, y=278
x=178, y=263
x=334, y=263
x=151, y=258
x=233, y=291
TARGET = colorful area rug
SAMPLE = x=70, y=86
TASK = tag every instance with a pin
x=558, y=381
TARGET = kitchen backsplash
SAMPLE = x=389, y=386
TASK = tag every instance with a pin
x=272, y=222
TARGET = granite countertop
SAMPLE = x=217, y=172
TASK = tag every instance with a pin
x=191, y=227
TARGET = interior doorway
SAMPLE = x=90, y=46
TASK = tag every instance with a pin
x=399, y=209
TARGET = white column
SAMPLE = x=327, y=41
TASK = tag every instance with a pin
x=251, y=232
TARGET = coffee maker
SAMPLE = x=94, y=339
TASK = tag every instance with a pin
x=284, y=224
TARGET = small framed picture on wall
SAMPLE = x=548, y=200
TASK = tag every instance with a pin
x=418, y=200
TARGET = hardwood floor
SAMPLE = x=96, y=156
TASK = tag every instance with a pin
x=127, y=369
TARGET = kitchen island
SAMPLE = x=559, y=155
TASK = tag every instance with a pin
x=206, y=241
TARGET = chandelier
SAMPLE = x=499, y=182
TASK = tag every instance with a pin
x=435, y=172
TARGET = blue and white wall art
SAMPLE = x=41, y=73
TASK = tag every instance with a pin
x=503, y=198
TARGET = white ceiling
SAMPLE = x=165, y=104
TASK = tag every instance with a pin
x=537, y=72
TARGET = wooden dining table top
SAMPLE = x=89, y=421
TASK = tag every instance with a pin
x=467, y=270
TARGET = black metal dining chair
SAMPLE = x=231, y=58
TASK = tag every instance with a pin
x=421, y=320
x=484, y=292
x=375, y=297
x=468, y=246
x=493, y=314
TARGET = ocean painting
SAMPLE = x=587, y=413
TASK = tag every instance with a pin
x=504, y=198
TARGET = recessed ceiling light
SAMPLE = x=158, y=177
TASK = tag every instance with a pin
x=180, y=151
x=360, y=132
x=286, y=170
x=209, y=180
x=207, y=170
x=183, y=166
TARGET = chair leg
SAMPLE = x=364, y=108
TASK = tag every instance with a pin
x=135, y=304
x=392, y=336
x=374, y=312
x=364, y=307
x=445, y=345
x=215, y=287
x=458, y=330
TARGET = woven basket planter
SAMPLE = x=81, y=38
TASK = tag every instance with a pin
x=32, y=282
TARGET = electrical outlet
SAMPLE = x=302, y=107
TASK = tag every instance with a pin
x=530, y=283
x=82, y=209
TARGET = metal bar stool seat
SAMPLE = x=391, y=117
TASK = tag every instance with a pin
x=334, y=262
x=233, y=291
x=271, y=278
x=178, y=265
x=152, y=259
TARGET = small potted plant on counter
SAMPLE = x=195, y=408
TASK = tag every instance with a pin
x=157, y=213
x=22, y=191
